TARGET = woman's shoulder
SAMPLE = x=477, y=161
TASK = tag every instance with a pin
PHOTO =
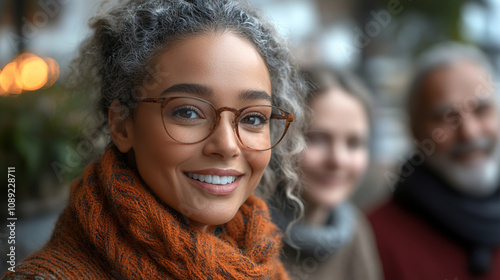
x=363, y=227
x=358, y=259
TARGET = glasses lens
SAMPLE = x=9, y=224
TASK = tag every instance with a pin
x=261, y=127
x=188, y=120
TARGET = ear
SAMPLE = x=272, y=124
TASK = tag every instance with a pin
x=120, y=127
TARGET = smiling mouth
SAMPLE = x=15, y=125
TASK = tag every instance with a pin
x=212, y=179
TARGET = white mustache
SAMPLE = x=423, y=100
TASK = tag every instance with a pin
x=484, y=144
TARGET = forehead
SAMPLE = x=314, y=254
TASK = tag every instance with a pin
x=219, y=60
x=336, y=109
x=455, y=84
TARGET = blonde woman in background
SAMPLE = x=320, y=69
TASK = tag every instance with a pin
x=332, y=240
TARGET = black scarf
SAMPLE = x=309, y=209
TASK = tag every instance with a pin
x=473, y=222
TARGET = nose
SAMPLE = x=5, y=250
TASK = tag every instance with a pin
x=337, y=155
x=469, y=128
x=223, y=142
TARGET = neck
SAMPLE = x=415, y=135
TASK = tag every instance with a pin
x=316, y=215
x=197, y=225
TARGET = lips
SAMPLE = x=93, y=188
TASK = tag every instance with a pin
x=330, y=180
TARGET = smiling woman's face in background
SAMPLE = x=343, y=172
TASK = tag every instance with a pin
x=226, y=66
x=337, y=148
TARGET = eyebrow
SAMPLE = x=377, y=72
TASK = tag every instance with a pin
x=255, y=95
x=444, y=107
x=205, y=91
x=441, y=108
x=189, y=88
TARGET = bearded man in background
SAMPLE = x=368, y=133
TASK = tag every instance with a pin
x=443, y=220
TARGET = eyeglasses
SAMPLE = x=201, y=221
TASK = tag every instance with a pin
x=190, y=120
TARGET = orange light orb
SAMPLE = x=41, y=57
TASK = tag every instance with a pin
x=33, y=73
x=8, y=81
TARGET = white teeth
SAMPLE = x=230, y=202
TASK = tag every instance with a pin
x=217, y=180
x=223, y=180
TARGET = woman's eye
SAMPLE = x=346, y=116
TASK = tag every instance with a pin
x=317, y=139
x=356, y=143
x=187, y=113
x=254, y=120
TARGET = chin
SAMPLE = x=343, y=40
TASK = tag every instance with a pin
x=213, y=218
x=334, y=202
x=332, y=198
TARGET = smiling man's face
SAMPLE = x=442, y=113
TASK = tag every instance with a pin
x=457, y=108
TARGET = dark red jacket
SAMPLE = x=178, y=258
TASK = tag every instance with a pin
x=410, y=249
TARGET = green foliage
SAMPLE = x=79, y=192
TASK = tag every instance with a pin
x=444, y=15
x=37, y=129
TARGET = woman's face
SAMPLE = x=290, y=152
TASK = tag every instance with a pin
x=337, y=155
x=222, y=69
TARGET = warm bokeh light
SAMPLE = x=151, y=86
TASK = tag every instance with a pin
x=33, y=73
x=8, y=79
x=28, y=72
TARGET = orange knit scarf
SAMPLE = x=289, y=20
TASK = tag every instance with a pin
x=115, y=228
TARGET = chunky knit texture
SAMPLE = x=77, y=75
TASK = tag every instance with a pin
x=115, y=228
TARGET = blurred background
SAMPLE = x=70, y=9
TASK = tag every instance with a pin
x=42, y=126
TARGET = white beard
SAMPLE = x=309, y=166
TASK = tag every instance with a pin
x=477, y=179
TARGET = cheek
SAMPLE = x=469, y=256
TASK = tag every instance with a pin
x=148, y=129
x=150, y=141
x=493, y=127
x=159, y=168
x=158, y=157
x=358, y=164
x=442, y=136
x=153, y=147
x=311, y=158
x=258, y=162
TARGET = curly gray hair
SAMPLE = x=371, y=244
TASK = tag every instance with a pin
x=117, y=57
